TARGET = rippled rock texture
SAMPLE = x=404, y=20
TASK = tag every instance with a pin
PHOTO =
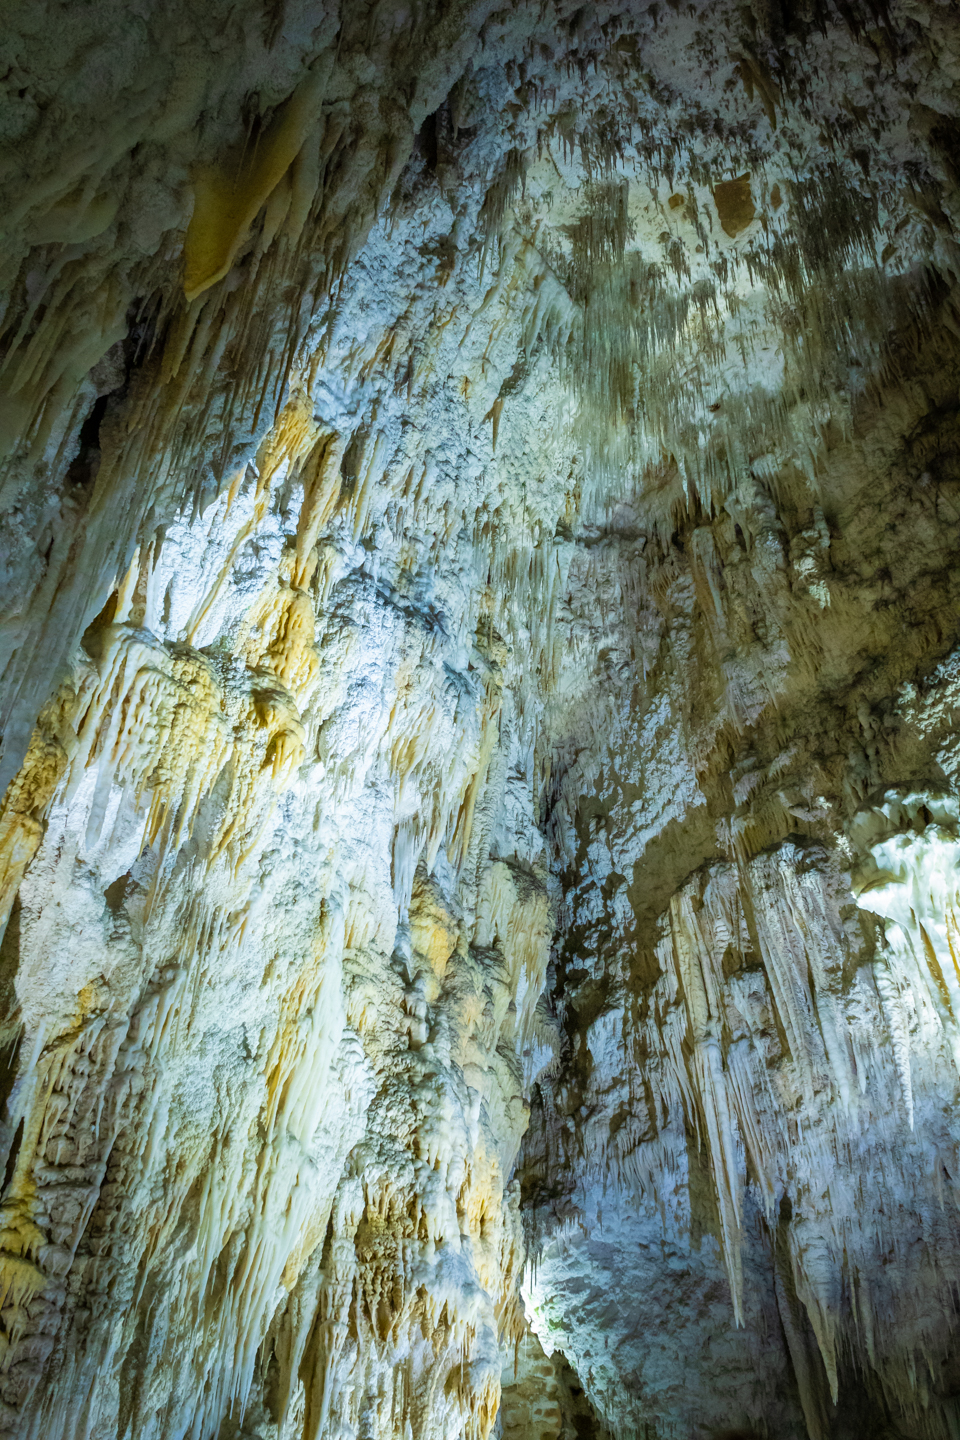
x=480, y=647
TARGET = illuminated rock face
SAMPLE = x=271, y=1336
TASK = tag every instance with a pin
x=481, y=847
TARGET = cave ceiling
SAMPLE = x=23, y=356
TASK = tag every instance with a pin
x=480, y=710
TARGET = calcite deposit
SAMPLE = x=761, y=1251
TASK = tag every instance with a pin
x=480, y=708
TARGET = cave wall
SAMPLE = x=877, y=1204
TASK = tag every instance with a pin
x=756, y=973
x=479, y=860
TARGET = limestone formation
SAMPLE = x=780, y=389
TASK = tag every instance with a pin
x=480, y=708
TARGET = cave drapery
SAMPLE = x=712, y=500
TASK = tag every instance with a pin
x=480, y=651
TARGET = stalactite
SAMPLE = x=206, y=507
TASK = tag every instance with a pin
x=477, y=645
